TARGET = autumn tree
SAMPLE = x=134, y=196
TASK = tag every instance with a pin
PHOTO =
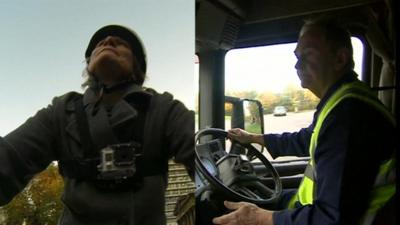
x=239, y=94
x=228, y=109
x=268, y=100
x=39, y=203
x=310, y=100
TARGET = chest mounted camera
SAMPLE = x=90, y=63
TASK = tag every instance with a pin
x=118, y=161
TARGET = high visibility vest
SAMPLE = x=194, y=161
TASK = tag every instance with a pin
x=384, y=186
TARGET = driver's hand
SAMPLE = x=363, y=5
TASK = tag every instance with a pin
x=245, y=137
x=240, y=135
x=244, y=214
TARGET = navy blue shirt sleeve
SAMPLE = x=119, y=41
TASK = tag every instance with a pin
x=289, y=144
x=354, y=140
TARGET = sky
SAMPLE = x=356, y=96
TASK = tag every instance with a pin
x=269, y=68
x=43, y=43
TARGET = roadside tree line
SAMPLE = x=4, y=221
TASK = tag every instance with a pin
x=293, y=98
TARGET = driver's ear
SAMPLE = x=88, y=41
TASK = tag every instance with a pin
x=342, y=59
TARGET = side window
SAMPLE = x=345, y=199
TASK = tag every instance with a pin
x=196, y=91
x=267, y=74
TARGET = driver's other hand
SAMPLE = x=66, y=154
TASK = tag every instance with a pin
x=240, y=135
x=244, y=214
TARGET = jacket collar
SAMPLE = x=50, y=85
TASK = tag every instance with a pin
x=122, y=110
x=90, y=96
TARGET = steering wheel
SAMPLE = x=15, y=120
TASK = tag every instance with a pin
x=233, y=174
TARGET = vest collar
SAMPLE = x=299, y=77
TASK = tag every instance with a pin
x=347, y=78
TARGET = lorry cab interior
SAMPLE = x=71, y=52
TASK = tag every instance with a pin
x=224, y=26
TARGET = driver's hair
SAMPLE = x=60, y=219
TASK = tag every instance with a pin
x=337, y=35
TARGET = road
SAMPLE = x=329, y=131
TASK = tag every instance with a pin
x=289, y=123
x=279, y=124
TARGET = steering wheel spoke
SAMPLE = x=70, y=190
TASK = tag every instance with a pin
x=237, y=177
x=246, y=191
x=256, y=187
x=264, y=188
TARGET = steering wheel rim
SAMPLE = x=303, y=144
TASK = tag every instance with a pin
x=219, y=185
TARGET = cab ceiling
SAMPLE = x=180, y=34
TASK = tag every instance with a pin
x=226, y=24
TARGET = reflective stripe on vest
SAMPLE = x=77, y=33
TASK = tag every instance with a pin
x=384, y=190
x=307, y=189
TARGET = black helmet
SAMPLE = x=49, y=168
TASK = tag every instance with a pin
x=125, y=33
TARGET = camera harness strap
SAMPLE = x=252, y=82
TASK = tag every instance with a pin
x=103, y=133
x=83, y=130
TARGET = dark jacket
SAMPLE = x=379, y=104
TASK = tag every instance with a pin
x=52, y=135
x=354, y=140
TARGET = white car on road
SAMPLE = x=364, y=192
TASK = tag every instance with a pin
x=280, y=111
